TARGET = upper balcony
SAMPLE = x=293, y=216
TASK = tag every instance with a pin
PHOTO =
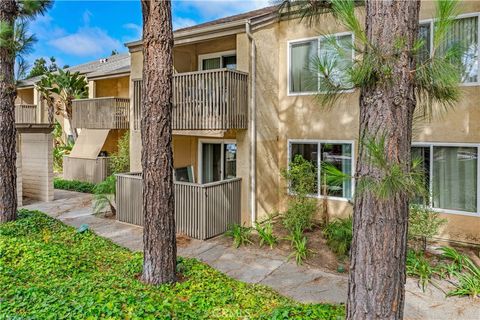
x=205, y=100
x=25, y=113
x=101, y=113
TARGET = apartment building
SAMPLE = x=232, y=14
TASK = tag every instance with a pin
x=242, y=110
x=101, y=119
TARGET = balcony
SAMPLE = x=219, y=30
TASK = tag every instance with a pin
x=101, y=113
x=25, y=113
x=205, y=100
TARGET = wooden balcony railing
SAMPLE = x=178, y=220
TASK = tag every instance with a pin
x=25, y=113
x=205, y=100
x=101, y=113
x=202, y=211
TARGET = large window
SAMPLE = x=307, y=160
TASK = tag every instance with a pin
x=219, y=60
x=335, y=50
x=451, y=176
x=337, y=154
x=464, y=35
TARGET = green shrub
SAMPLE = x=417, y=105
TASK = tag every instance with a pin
x=73, y=185
x=265, y=232
x=423, y=224
x=49, y=271
x=299, y=244
x=240, y=234
x=300, y=214
x=418, y=266
x=104, y=196
x=301, y=176
x=466, y=271
x=120, y=160
x=339, y=234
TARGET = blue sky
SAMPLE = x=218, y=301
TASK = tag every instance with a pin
x=79, y=31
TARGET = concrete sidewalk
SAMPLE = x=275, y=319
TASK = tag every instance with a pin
x=255, y=265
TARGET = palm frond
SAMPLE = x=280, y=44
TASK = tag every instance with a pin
x=31, y=8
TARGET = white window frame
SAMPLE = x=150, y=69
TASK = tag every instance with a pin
x=431, y=145
x=222, y=143
x=460, y=16
x=319, y=156
x=318, y=38
x=219, y=54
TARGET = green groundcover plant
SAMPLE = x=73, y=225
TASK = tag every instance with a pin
x=73, y=185
x=51, y=271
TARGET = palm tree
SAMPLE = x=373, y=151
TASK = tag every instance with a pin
x=395, y=83
x=68, y=86
x=160, y=249
x=10, y=12
x=45, y=87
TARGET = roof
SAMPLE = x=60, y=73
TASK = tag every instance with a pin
x=257, y=16
x=112, y=65
x=238, y=17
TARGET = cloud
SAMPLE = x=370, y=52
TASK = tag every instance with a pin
x=136, y=29
x=214, y=9
x=86, y=41
x=179, y=22
x=86, y=17
x=44, y=29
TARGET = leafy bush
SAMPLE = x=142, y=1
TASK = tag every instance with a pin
x=466, y=271
x=299, y=244
x=58, y=153
x=300, y=214
x=423, y=224
x=339, y=234
x=240, y=234
x=73, y=185
x=104, y=196
x=49, y=271
x=301, y=176
x=417, y=265
x=120, y=160
x=265, y=232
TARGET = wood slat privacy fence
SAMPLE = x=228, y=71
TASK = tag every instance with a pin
x=88, y=170
x=204, y=100
x=25, y=113
x=101, y=113
x=202, y=211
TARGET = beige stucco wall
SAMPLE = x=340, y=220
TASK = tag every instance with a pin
x=37, y=165
x=281, y=117
x=112, y=87
x=24, y=96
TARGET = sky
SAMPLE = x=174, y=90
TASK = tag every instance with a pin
x=79, y=31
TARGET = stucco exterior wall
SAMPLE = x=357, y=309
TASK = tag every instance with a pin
x=37, y=165
x=25, y=96
x=112, y=87
x=281, y=117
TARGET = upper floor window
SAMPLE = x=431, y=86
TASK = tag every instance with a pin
x=464, y=34
x=218, y=60
x=334, y=51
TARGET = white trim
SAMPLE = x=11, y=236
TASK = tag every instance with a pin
x=460, y=16
x=219, y=54
x=319, y=40
x=431, y=145
x=319, y=149
x=222, y=143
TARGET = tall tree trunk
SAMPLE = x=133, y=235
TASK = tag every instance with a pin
x=377, y=267
x=69, y=113
x=160, y=248
x=8, y=155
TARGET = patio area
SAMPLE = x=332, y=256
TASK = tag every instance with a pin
x=254, y=265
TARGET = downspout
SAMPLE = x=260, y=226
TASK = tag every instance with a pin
x=253, y=126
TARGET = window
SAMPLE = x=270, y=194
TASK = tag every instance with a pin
x=219, y=60
x=338, y=155
x=451, y=176
x=335, y=49
x=218, y=161
x=463, y=34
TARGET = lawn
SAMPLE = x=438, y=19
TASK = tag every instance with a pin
x=48, y=270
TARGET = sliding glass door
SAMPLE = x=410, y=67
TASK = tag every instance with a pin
x=218, y=161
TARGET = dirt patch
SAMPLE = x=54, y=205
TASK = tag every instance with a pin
x=183, y=241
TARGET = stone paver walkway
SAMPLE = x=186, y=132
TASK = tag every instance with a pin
x=254, y=265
